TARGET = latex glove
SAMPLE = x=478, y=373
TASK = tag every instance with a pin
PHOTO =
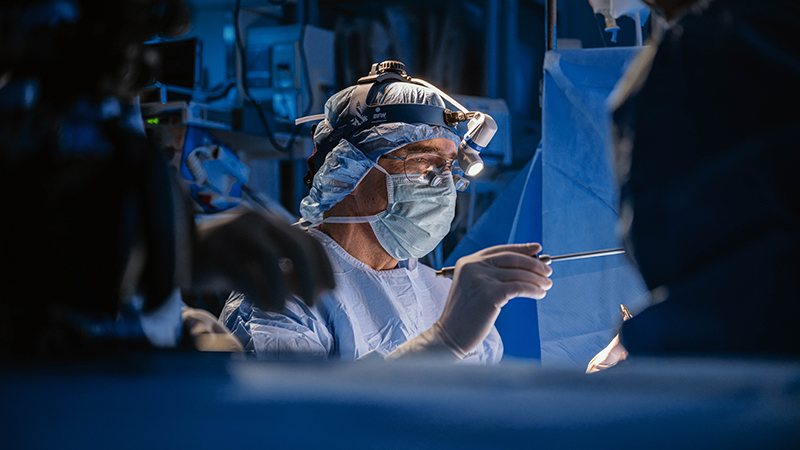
x=429, y=344
x=608, y=357
x=482, y=284
x=206, y=333
x=262, y=256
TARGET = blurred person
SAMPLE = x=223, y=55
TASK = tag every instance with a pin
x=98, y=239
x=706, y=132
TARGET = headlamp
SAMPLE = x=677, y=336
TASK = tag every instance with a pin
x=480, y=130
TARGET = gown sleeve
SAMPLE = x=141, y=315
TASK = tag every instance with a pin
x=296, y=331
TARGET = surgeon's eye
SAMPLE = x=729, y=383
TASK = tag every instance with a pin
x=422, y=162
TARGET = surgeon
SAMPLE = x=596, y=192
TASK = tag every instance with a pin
x=381, y=197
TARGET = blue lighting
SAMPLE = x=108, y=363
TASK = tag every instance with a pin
x=228, y=33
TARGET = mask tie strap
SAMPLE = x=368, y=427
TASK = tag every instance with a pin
x=378, y=166
x=389, y=190
x=305, y=224
x=359, y=219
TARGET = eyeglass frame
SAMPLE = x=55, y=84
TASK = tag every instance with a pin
x=449, y=163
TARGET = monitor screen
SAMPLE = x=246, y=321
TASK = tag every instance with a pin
x=179, y=62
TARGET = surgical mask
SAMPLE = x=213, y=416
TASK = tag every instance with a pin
x=416, y=218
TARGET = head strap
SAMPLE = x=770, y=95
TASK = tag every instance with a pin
x=361, y=116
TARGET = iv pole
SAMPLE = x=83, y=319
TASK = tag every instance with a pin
x=550, y=24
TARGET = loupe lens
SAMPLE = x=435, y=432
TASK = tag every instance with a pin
x=425, y=178
x=425, y=168
x=461, y=183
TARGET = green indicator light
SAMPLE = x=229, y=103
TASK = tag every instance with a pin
x=153, y=121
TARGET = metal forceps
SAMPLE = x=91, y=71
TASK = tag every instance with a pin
x=547, y=259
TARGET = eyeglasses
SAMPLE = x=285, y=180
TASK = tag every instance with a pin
x=429, y=168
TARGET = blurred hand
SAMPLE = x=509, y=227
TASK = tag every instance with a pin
x=206, y=333
x=608, y=357
x=483, y=283
x=264, y=257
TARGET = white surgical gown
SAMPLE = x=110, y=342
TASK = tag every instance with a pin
x=369, y=310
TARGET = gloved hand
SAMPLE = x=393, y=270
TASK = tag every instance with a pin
x=262, y=256
x=206, y=333
x=482, y=284
x=608, y=357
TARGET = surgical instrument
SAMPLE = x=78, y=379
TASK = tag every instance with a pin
x=547, y=259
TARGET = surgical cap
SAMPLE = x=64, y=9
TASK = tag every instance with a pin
x=349, y=161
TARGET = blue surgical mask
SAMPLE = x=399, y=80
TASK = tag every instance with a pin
x=416, y=219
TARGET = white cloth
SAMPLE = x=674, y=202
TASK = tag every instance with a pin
x=369, y=310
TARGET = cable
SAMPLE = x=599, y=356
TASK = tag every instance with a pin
x=304, y=62
x=600, y=31
x=220, y=90
x=267, y=204
x=200, y=96
x=446, y=97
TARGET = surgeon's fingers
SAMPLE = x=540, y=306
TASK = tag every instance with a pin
x=317, y=275
x=291, y=246
x=238, y=255
x=207, y=333
x=321, y=266
x=529, y=249
x=512, y=260
x=311, y=272
x=511, y=283
x=524, y=276
x=265, y=277
x=269, y=242
x=608, y=357
x=515, y=289
x=250, y=263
